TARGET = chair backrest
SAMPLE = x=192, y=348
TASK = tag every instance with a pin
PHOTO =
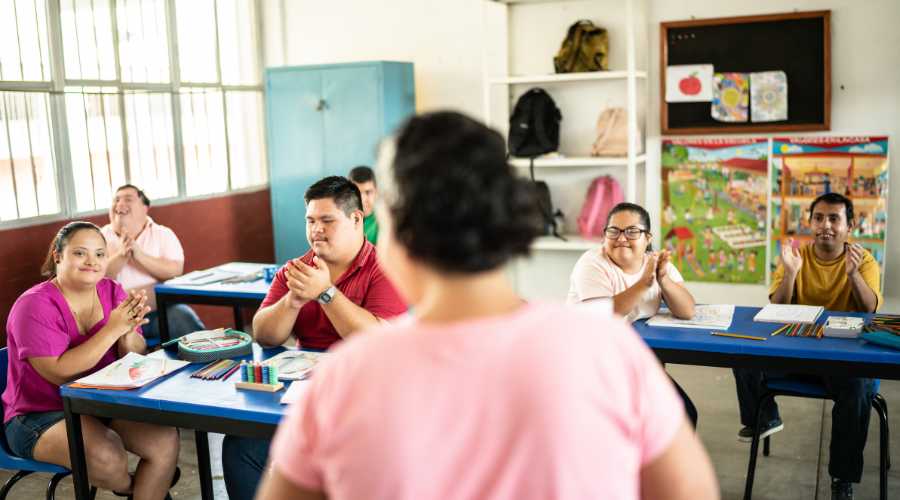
x=4, y=375
x=8, y=459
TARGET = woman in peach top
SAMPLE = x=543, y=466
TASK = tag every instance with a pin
x=626, y=270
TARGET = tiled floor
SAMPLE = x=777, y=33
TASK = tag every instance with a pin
x=797, y=467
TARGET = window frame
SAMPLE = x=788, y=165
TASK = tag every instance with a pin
x=55, y=88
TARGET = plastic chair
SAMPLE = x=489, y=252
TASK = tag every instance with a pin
x=801, y=389
x=10, y=461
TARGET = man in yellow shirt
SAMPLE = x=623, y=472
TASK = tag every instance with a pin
x=839, y=277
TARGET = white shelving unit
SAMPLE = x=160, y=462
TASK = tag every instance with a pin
x=514, y=84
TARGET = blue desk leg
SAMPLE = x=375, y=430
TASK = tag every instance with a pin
x=203, y=462
x=76, y=452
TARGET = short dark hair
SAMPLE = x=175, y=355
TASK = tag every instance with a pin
x=62, y=239
x=833, y=199
x=454, y=200
x=361, y=175
x=344, y=193
x=636, y=209
x=140, y=193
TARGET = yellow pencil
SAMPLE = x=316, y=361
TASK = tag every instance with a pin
x=737, y=336
x=164, y=366
x=780, y=330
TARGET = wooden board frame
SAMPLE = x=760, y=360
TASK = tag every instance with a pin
x=825, y=15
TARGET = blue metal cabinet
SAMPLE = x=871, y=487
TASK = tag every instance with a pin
x=324, y=120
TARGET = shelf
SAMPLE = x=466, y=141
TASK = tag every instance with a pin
x=576, y=243
x=589, y=161
x=565, y=77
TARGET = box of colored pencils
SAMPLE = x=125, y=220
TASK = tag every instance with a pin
x=259, y=377
x=804, y=330
x=886, y=324
x=217, y=370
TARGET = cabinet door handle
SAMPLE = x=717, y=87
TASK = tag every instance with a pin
x=321, y=105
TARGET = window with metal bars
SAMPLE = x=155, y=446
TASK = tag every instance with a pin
x=98, y=93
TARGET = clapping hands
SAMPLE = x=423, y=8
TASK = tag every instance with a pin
x=790, y=258
x=853, y=257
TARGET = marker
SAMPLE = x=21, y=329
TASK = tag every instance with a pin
x=736, y=336
x=780, y=330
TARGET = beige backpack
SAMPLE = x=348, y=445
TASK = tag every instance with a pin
x=612, y=133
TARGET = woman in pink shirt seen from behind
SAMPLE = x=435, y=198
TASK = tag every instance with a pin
x=64, y=329
x=481, y=395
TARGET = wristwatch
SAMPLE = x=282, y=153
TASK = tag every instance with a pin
x=327, y=295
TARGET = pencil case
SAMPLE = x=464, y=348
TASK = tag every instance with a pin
x=207, y=346
x=882, y=339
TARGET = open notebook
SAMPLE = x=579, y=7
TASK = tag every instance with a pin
x=789, y=314
x=133, y=370
x=706, y=317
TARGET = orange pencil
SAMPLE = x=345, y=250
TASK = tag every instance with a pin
x=737, y=336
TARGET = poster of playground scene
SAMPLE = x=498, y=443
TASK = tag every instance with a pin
x=714, y=195
x=804, y=168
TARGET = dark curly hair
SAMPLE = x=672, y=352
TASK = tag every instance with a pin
x=454, y=201
x=344, y=193
x=833, y=199
x=62, y=239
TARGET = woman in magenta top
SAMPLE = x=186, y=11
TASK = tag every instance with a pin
x=64, y=329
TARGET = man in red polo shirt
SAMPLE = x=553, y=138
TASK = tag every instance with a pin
x=334, y=291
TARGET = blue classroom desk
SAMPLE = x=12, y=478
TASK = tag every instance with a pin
x=236, y=295
x=835, y=356
x=178, y=401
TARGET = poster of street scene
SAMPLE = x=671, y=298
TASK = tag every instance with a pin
x=804, y=168
x=714, y=196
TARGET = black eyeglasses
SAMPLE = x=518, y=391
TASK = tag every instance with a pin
x=631, y=233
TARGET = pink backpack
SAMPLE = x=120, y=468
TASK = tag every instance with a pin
x=603, y=195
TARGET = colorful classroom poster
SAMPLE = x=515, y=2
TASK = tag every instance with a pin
x=804, y=168
x=714, y=195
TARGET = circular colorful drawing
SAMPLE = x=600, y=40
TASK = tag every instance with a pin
x=731, y=97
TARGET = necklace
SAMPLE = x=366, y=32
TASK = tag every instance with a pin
x=93, y=304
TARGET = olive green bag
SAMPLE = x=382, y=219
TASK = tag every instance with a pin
x=586, y=48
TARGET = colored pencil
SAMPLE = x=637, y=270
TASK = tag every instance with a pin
x=785, y=327
x=225, y=369
x=215, y=371
x=204, y=370
x=236, y=367
x=736, y=336
x=164, y=366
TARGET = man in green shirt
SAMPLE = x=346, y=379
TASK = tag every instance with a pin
x=364, y=178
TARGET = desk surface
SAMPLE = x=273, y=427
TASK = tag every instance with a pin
x=826, y=348
x=255, y=290
x=180, y=393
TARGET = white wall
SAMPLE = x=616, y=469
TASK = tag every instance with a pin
x=444, y=40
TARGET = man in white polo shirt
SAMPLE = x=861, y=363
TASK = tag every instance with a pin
x=143, y=253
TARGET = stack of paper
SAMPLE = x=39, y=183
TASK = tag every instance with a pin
x=789, y=314
x=133, y=370
x=206, y=277
x=710, y=317
x=297, y=388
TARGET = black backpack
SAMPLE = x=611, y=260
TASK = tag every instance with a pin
x=548, y=221
x=534, y=125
